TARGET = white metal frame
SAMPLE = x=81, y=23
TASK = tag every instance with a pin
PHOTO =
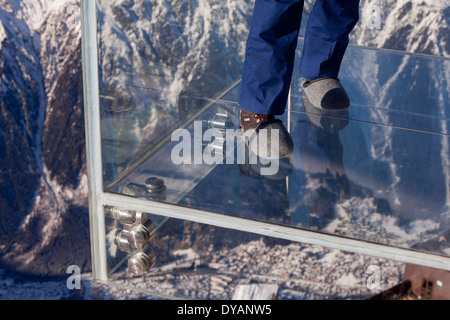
x=98, y=198
x=93, y=137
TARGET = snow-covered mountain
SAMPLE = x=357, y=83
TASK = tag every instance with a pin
x=408, y=25
x=181, y=46
x=43, y=170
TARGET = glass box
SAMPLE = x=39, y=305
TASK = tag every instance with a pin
x=178, y=205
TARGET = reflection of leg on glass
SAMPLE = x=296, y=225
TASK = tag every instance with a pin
x=266, y=196
x=255, y=167
x=321, y=156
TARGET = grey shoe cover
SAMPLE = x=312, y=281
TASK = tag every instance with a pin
x=270, y=141
x=327, y=93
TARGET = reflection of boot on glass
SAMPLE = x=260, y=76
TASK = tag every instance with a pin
x=321, y=155
x=270, y=54
x=328, y=120
x=255, y=169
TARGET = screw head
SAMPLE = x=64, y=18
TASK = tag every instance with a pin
x=141, y=262
x=138, y=237
x=138, y=265
x=141, y=234
x=155, y=185
x=121, y=241
x=124, y=216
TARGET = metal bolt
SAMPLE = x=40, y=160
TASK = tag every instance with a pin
x=135, y=190
x=155, y=185
x=220, y=121
x=122, y=215
x=141, y=262
x=141, y=234
x=121, y=240
x=125, y=216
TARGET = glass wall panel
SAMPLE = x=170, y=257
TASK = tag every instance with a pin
x=157, y=61
x=197, y=261
x=391, y=88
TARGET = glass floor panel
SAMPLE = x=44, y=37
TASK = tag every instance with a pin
x=378, y=172
x=332, y=183
x=199, y=261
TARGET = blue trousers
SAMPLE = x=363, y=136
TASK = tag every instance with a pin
x=271, y=45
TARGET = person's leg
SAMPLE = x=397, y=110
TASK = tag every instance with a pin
x=327, y=37
x=270, y=54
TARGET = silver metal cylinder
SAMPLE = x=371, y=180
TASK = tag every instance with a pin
x=121, y=240
x=217, y=147
x=219, y=121
x=142, y=261
x=142, y=233
x=122, y=215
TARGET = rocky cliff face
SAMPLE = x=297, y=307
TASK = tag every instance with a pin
x=43, y=170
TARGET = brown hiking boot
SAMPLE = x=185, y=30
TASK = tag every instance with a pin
x=261, y=131
x=250, y=120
